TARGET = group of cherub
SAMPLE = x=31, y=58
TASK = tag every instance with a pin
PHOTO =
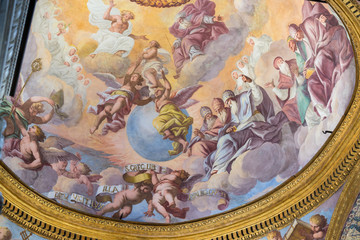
x=165, y=191
x=32, y=146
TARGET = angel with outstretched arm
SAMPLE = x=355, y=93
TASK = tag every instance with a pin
x=27, y=113
x=116, y=102
x=171, y=122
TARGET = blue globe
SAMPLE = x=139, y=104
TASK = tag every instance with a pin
x=143, y=136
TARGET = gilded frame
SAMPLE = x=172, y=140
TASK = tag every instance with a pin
x=335, y=163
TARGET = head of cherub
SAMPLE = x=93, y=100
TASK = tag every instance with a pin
x=82, y=168
x=136, y=79
x=317, y=222
x=182, y=174
x=145, y=186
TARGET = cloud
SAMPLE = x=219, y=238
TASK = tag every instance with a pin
x=268, y=161
x=341, y=96
x=42, y=84
x=42, y=180
x=208, y=66
x=112, y=176
x=107, y=63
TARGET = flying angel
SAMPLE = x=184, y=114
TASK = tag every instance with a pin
x=171, y=122
x=117, y=100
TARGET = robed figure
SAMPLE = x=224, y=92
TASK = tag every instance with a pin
x=194, y=28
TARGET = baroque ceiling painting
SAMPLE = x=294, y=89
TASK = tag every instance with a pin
x=170, y=111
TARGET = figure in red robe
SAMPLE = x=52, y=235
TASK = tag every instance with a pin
x=194, y=28
x=331, y=53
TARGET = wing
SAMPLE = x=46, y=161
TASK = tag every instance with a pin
x=56, y=142
x=187, y=186
x=54, y=155
x=94, y=177
x=189, y=183
x=188, y=103
x=108, y=79
x=97, y=10
x=185, y=94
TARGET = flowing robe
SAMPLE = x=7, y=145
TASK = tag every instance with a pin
x=198, y=34
x=171, y=118
x=331, y=52
x=250, y=136
x=286, y=95
x=109, y=96
x=11, y=146
x=203, y=147
x=109, y=42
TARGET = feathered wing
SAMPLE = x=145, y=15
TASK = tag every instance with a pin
x=182, y=97
x=108, y=79
x=97, y=10
x=56, y=142
x=53, y=155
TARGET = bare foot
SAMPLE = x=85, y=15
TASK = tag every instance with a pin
x=214, y=172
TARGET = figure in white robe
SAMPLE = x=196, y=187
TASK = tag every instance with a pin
x=260, y=46
x=114, y=34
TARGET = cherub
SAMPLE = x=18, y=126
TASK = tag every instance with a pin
x=171, y=122
x=116, y=102
x=79, y=171
x=35, y=152
x=166, y=190
x=27, y=113
x=319, y=228
x=124, y=200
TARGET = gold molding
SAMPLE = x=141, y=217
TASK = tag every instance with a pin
x=322, y=177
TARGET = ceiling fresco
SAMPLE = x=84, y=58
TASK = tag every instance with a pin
x=173, y=114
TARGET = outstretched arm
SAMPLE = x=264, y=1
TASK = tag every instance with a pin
x=136, y=37
x=44, y=119
x=140, y=102
x=150, y=210
x=107, y=15
x=84, y=180
x=36, y=99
